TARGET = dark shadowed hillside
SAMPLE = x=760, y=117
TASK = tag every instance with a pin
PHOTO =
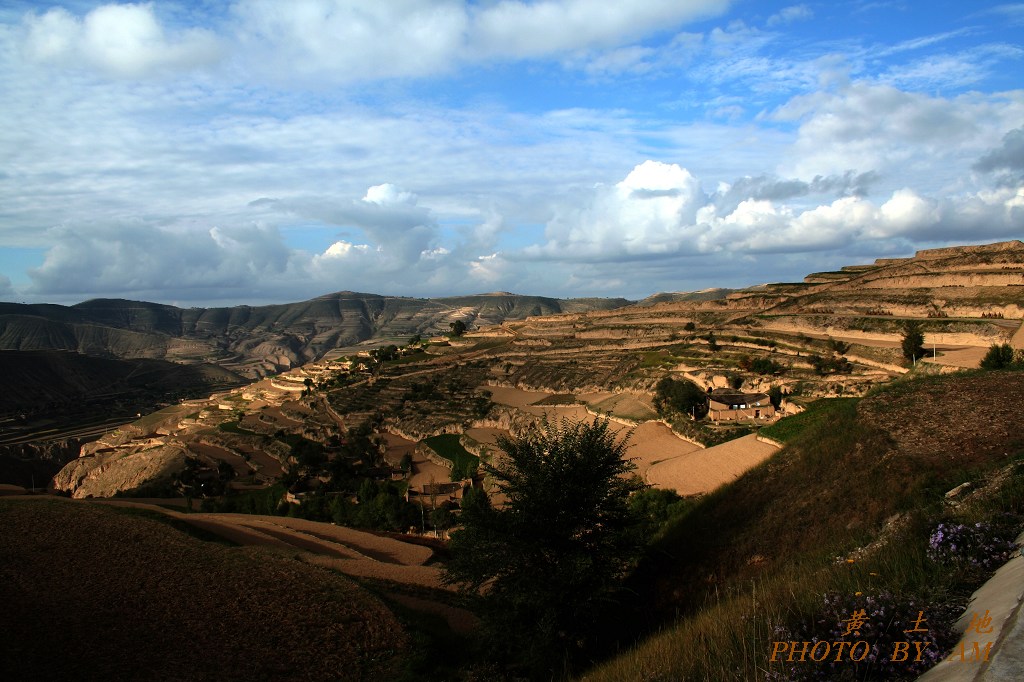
x=35, y=380
x=95, y=593
x=52, y=401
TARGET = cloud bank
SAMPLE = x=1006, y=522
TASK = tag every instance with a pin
x=268, y=151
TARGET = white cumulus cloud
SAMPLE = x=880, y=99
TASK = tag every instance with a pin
x=659, y=210
x=645, y=212
x=120, y=40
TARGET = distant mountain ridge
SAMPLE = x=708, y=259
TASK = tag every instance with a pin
x=254, y=340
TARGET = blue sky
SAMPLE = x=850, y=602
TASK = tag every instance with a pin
x=207, y=153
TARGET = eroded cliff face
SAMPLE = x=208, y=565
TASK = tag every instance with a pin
x=105, y=474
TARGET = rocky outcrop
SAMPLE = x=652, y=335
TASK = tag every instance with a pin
x=106, y=474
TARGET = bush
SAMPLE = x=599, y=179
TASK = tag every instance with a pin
x=838, y=347
x=760, y=365
x=654, y=507
x=832, y=364
x=999, y=356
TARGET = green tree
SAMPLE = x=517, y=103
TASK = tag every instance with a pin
x=406, y=463
x=442, y=518
x=840, y=347
x=998, y=356
x=309, y=455
x=367, y=491
x=913, y=341
x=559, y=547
x=458, y=327
x=684, y=397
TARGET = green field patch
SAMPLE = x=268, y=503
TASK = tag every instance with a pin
x=818, y=412
x=627, y=407
x=656, y=358
x=234, y=427
x=448, y=445
x=490, y=344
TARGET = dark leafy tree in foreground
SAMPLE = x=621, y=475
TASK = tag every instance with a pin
x=554, y=554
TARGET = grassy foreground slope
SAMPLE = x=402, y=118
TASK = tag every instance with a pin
x=93, y=593
x=847, y=508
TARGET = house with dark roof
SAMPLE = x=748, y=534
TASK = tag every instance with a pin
x=438, y=493
x=726, y=404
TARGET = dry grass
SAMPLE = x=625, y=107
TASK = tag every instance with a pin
x=91, y=593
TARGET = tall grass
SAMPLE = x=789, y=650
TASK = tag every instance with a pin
x=732, y=636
